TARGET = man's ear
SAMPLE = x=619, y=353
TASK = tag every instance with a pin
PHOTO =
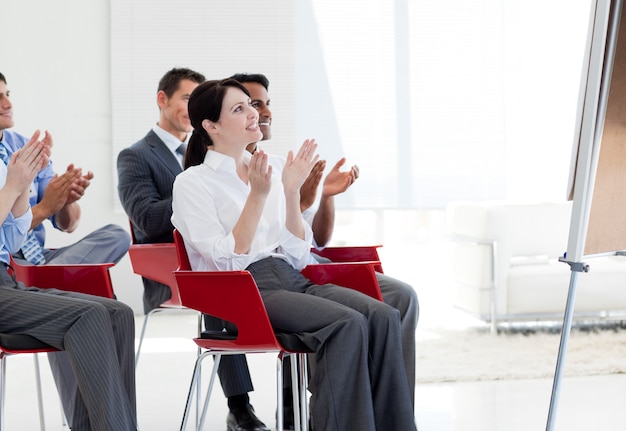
x=161, y=98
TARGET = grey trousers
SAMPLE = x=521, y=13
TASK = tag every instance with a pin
x=403, y=298
x=359, y=380
x=97, y=336
x=108, y=244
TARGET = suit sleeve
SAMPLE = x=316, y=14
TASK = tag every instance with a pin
x=139, y=194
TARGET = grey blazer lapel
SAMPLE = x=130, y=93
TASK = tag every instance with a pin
x=163, y=153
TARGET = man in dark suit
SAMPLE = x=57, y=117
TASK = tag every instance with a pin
x=146, y=173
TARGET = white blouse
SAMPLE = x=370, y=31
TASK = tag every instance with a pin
x=207, y=201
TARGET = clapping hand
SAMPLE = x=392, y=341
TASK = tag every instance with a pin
x=80, y=184
x=298, y=167
x=337, y=181
x=308, y=191
x=26, y=162
x=260, y=174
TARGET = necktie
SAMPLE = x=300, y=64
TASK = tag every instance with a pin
x=32, y=251
x=4, y=155
x=182, y=148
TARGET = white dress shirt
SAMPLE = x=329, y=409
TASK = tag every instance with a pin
x=207, y=201
x=170, y=141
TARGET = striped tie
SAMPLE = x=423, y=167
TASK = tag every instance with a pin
x=4, y=155
x=182, y=148
x=32, y=251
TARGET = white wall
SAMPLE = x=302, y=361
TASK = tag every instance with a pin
x=55, y=56
x=57, y=59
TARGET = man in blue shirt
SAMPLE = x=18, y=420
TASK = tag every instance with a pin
x=55, y=197
x=96, y=334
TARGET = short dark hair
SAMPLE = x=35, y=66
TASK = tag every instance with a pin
x=2, y=78
x=259, y=78
x=170, y=82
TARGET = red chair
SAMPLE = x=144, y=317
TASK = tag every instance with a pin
x=84, y=278
x=156, y=262
x=367, y=253
x=234, y=297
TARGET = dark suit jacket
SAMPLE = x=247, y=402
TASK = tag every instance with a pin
x=146, y=173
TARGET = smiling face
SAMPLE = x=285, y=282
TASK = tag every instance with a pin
x=261, y=102
x=174, y=116
x=6, y=108
x=238, y=125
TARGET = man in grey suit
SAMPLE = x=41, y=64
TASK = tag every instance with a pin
x=146, y=173
x=56, y=198
x=96, y=334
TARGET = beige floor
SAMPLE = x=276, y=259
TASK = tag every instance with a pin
x=590, y=403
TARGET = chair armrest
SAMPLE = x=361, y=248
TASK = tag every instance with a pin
x=359, y=276
x=93, y=279
x=350, y=254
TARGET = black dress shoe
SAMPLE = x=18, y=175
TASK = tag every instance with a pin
x=244, y=420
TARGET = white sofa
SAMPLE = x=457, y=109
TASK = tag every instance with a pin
x=506, y=268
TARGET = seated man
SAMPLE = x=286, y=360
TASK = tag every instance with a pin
x=55, y=197
x=320, y=214
x=97, y=334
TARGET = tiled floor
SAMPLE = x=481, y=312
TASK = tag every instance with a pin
x=590, y=403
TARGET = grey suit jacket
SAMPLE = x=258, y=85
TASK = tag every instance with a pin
x=146, y=172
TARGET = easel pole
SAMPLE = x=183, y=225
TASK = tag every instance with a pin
x=598, y=67
x=576, y=268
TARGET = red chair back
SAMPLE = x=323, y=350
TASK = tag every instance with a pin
x=228, y=295
x=156, y=262
x=181, y=252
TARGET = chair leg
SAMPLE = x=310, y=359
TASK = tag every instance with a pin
x=297, y=382
x=209, y=390
x=199, y=376
x=42, y=421
x=2, y=388
x=280, y=419
x=143, y=332
x=3, y=373
x=195, y=379
x=304, y=383
x=295, y=390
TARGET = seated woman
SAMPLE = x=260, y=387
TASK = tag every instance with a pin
x=235, y=214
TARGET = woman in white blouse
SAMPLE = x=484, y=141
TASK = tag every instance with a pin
x=234, y=213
